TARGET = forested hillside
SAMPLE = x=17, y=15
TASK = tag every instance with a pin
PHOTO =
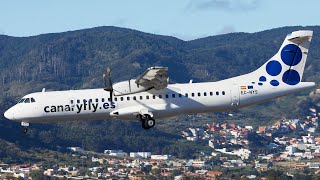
x=77, y=59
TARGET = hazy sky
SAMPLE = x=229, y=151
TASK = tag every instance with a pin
x=185, y=19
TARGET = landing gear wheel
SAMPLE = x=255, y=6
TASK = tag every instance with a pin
x=25, y=126
x=147, y=121
x=24, y=130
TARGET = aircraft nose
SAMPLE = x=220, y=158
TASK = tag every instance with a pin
x=9, y=114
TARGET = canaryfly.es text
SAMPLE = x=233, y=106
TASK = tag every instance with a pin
x=78, y=108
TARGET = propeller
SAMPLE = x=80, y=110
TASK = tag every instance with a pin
x=108, y=82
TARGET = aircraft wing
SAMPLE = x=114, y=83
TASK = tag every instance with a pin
x=154, y=77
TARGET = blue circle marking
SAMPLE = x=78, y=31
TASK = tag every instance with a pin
x=291, y=77
x=260, y=84
x=274, y=83
x=263, y=79
x=291, y=54
x=273, y=68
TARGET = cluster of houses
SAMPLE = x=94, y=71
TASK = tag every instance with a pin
x=293, y=139
x=108, y=167
x=220, y=137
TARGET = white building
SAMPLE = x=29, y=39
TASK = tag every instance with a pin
x=161, y=157
x=291, y=150
x=119, y=154
x=113, y=151
x=314, y=165
x=75, y=149
x=194, y=138
x=140, y=154
x=242, y=153
x=197, y=131
x=199, y=164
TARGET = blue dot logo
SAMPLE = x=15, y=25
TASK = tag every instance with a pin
x=291, y=54
x=273, y=68
x=291, y=77
x=263, y=79
x=274, y=83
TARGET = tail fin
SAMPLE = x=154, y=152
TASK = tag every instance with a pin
x=288, y=64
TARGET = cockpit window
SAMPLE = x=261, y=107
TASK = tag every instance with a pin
x=22, y=100
x=27, y=100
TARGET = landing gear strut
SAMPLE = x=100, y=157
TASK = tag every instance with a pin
x=25, y=126
x=147, y=121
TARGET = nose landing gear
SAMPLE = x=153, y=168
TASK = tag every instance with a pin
x=25, y=126
x=147, y=121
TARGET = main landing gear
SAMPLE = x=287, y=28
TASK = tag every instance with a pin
x=147, y=121
x=25, y=126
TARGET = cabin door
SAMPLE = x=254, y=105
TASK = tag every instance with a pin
x=235, y=98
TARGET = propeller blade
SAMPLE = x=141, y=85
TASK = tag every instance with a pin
x=108, y=87
x=108, y=71
x=104, y=79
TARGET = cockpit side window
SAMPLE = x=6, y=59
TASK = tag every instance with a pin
x=27, y=100
x=32, y=100
x=22, y=100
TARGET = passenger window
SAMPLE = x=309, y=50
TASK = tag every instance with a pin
x=128, y=98
x=90, y=100
x=192, y=94
x=78, y=101
x=205, y=94
x=167, y=96
x=217, y=93
x=140, y=97
x=102, y=99
x=32, y=100
x=160, y=96
x=154, y=96
x=84, y=101
x=109, y=99
x=223, y=93
x=180, y=95
x=173, y=95
x=115, y=99
x=97, y=100
x=147, y=97
x=199, y=94
x=121, y=98
x=27, y=100
x=71, y=101
x=186, y=95
x=134, y=98
x=211, y=93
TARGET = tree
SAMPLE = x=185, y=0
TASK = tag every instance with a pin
x=146, y=169
x=37, y=175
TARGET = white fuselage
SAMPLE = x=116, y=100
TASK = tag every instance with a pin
x=93, y=104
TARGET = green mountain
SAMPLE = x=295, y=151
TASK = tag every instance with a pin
x=77, y=59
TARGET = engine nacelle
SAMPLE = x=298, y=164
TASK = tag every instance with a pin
x=128, y=87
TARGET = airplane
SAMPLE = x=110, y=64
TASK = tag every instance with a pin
x=151, y=97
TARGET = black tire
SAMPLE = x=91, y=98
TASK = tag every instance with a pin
x=25, y=130
x=143, y=125
x=148, y=123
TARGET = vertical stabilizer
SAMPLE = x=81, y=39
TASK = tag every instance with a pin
x=287, y=65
